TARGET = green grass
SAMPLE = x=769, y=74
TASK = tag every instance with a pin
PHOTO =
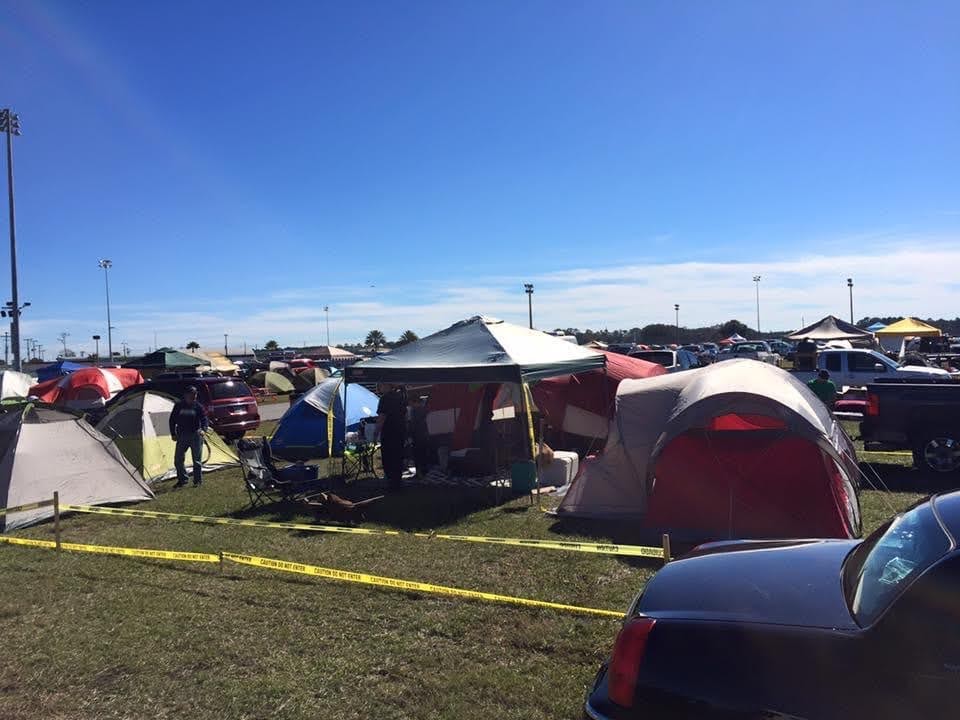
x=104, y=637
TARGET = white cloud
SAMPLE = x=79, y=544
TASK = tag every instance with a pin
x=911, y=277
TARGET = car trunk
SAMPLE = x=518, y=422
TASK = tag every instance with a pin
x=795, y=584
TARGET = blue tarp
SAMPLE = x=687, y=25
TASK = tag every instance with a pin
x=58, y=369
x=302, y=431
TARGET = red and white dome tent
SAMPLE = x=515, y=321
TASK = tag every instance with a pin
x=86, y=388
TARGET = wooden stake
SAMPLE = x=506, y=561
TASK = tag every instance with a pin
x=56, y=517
x=666, y=548
x=221, y=562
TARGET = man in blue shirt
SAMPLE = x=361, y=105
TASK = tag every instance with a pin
x=188, y=423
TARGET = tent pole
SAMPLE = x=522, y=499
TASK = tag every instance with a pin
x=666, y=548
x=525, y=392
x=56, y=517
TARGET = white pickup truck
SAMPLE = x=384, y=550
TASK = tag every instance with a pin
x=856, y=368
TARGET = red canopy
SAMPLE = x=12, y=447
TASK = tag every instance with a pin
x=583, y=404
x=86, y=388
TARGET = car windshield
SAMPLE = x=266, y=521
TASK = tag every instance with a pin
x=886, y=562
x=229, y=389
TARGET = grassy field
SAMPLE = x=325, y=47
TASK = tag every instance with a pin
x=104, y=637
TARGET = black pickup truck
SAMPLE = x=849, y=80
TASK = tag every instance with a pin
x=921, y=417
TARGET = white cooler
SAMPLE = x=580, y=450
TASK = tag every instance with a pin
x=561, y=471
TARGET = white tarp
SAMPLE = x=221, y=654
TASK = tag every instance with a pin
x=15, y=384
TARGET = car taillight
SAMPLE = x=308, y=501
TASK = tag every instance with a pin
x=873, y=405
x=627, y=658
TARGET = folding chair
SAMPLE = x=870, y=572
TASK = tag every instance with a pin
x=358, y=460
x=267, y=484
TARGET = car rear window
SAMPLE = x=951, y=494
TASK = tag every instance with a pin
x=889, y=560
x=664, y=358
x=228, y=390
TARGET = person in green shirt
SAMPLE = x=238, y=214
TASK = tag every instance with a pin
x=824, y=388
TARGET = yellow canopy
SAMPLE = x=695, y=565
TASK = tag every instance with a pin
x=910, y=327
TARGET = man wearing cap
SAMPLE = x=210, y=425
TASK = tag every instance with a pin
x=824, y=388
x=188, y=423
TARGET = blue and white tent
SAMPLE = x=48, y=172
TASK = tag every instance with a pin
x=303, y=430
x=59, y=369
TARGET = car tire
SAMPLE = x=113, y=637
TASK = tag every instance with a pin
x=938, y=451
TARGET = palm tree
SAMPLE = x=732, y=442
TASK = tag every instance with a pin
x=271, y=345
x=408, y=336
x=375, y=339
x=193, y=345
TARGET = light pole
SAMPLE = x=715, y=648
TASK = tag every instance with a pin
x=326, y=312
x=676, y=309
x=96, y=340
x=105, y=265
x=10, y=124
x=528, y=289
x=756, y=281
x=850, y=286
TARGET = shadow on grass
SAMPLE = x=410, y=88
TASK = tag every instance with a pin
x=900, y=478
x=414, y=508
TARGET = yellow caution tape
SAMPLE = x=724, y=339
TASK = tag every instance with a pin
x=29, y=542
x=180, y=517
x=567, y=545
x=885, y=452
x=144, y=553
x=110, y=550
x=564, y=545
x=314, y=570
x=408, y=585
x=28, y=506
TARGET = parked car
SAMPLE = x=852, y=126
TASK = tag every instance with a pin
x=921, y=417
x=756, y=350
x=711, y=348
x=858, y=367
x=780, y=347
x=621, y=348
x=800, y=629
x=672, y=360
x=228, y=401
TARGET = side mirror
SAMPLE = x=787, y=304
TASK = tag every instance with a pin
x=879, y=367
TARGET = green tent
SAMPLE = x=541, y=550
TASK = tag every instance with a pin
x=272, y=381
x=166, y=359
x=140, y=427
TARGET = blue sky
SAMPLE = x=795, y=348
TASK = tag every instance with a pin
x=410, y=164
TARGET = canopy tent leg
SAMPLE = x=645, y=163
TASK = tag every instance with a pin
x=533, y=445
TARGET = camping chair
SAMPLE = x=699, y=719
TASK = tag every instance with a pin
x=358, y=460
x=268, y=484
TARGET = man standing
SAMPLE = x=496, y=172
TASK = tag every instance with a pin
x=824, y=388
x=188, y=423
x=392, y=433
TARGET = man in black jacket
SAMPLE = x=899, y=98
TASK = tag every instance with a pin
x=392, y=432
x=188, y=423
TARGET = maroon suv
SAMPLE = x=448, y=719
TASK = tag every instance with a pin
x=229, y=402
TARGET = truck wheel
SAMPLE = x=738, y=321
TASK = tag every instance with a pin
x=939, y=452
